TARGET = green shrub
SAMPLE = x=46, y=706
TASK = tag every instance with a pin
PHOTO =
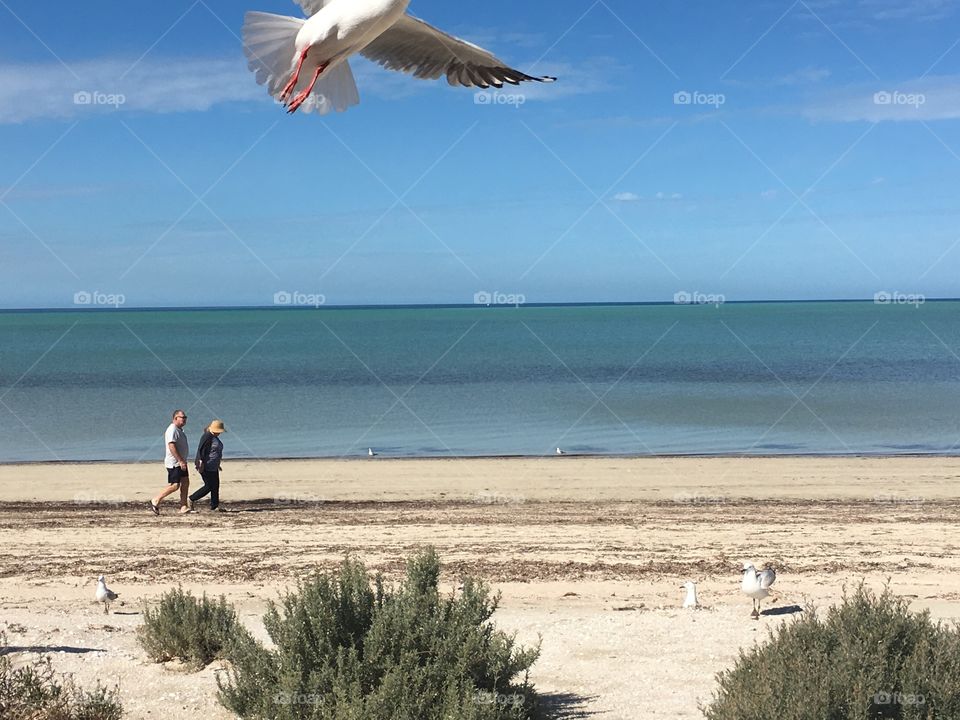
x=34, y=691
x=870, y=657
x=349, y=651
x=195, y=631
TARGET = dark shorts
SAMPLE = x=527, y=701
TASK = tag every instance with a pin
x=176, y=474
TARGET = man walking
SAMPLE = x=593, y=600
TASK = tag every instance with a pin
x=175, y=461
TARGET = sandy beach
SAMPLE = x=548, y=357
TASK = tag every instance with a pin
x=587, y=552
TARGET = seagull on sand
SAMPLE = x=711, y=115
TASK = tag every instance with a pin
x=690, y=601
x=559, y=451
x=370, y=452
x=305, y=62
x=757, y=585
x=104, y=594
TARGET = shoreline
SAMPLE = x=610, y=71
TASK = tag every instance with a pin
x=548, y=456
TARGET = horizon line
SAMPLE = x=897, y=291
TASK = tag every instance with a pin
x=493, y=305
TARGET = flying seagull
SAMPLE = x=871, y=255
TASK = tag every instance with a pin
x=104, y=594
x=757, y=585
x=306, y=62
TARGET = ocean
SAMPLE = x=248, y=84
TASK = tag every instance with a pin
x=753, y=378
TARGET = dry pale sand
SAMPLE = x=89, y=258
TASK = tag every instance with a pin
x=588, y=554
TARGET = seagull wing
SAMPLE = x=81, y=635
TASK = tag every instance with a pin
x=413, y=46
x=312, y=7
x=767, y=578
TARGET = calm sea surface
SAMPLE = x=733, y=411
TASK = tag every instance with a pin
x=820, y=378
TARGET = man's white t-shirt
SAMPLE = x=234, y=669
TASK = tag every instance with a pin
x=178, y=437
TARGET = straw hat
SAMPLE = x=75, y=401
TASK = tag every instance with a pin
x=216, y=427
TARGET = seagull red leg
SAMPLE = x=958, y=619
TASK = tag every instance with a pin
x=299, y=99
x=296, y=76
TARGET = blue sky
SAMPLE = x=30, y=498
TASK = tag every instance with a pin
x=769, y=150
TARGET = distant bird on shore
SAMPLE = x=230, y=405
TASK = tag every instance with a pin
x=690, y=601
x=104, y=594
x=290, y=54
x=757, y=585
x=559, y=451
x=370, y=452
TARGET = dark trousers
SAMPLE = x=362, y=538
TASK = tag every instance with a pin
x=211, y=486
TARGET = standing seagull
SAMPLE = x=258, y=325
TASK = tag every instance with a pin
x=290, y=54
x=757, y=585
x=690, y=601
x=104, y=594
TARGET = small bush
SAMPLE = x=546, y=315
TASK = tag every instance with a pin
x=195, y=631
x=35, y=691
x=349, y=651
x=870, y=657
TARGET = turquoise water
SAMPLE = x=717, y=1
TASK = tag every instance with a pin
x=819, y=378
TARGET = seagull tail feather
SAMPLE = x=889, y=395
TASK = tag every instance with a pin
x=270, y=44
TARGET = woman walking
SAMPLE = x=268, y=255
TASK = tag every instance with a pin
x=207, y=462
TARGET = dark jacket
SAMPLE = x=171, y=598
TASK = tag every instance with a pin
x=203, y=450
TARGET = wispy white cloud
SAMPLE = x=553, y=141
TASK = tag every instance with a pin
x=931, y=98
x=922, y=10
x=631, y=197
x=871, y=13
x=803, y=76
x=49, y=192
x=47, y=90
x=809, y=75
